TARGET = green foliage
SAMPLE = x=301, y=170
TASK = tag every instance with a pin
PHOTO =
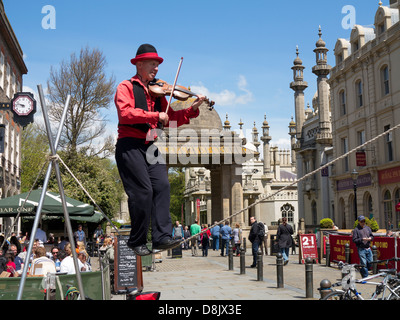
x=370, y=223
x=326, y=223
x=176, y=177
x=34, y=148
x=97, y=175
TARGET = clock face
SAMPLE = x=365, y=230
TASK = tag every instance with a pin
x=23, y=105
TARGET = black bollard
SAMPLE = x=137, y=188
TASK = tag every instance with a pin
x=325, y=288
x=244, y=244
x=328, y=254
x=242, y=261
x=374, y=259
x=230, y=256
x=309, y=278
x=260, y=265
x=279, y=270
x=347, y=252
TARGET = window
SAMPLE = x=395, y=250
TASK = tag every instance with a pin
x=397, y=216
x=385, y=80
x=342, y=101
x=287, y=211
x=361, y=137
x=345, y=149
x=314, y=213
x=359, y=92
x=387, y=209
x=388, y=144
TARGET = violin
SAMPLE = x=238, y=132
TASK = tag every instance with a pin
x=160, y=88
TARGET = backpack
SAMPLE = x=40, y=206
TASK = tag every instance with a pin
x=261, y=230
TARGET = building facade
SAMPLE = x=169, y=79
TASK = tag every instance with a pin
x=365, y=100
x=312, y=139
x=12, y=68
x=260, y=177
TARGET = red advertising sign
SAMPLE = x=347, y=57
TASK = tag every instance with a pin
x=361, y=159
x=398, y=207
x=385, y=248
x=389, y=176
x=308, y=243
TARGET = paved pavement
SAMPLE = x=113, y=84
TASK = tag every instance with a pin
x=209, y=278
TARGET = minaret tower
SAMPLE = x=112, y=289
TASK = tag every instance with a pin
x=265, y=138
x=322, y=70
x=298, y=86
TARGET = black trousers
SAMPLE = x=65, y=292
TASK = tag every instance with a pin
x=147, y=186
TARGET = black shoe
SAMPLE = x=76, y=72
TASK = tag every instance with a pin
x=253, y=266
x=140, y=250
x=286, y=262
x=166, y=244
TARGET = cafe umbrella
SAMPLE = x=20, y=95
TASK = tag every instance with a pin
x=52, y=205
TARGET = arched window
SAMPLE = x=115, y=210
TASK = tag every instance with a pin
x=287, y=211
x=397, y=214
x=387, y=209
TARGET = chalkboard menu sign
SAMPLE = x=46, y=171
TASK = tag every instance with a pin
x=127, y=266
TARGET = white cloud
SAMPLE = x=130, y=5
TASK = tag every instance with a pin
x=227, y=97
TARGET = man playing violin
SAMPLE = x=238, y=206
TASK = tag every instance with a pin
x=146, y=184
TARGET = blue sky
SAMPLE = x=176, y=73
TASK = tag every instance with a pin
x=240, y=53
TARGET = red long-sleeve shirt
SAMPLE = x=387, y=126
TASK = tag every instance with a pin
x=128, y=114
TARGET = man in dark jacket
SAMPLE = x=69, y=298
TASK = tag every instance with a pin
x=254, y=239
x=362, y=237
x=284, y=238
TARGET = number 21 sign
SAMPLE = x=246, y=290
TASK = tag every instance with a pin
x=308, y=243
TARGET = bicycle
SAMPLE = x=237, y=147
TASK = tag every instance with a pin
x=390, y=283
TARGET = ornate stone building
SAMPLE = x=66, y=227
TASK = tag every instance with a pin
x=365, y=99
x=258, y=177
x=12, y=68
x=312, y=139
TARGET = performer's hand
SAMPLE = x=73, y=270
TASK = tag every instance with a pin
x=196, y=104
x=163, y=118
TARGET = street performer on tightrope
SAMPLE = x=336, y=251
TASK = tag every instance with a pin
x=146, y=184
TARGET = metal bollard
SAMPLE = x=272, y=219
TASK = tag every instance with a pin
x=328, y=254
x=374, y=259
x=279, y=270
x=242, y=261
x=347, y=252
x=244, y=244
x=260, y=265
x=230, y=256
x=325, y=288
x=309, y=278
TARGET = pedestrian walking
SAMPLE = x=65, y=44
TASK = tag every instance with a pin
x=362, y=237
x=284, y=238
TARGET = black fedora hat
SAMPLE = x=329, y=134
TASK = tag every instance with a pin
x=146, y=52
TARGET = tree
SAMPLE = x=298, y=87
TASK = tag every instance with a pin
x=97, y=175
x=176, y=178
x=34, y=148
x=83, y=77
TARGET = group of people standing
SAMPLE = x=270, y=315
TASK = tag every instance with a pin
x=220, y=235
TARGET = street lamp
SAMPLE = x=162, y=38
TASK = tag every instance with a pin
x=354, y=176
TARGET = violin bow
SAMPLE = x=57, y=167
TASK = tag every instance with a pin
x=173, y=87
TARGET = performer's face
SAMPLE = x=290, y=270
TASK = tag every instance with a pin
x=148, y=69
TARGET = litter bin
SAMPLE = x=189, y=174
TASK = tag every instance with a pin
x=147, y=261
x=274, y=245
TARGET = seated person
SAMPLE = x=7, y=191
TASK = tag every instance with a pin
x=47, y=265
